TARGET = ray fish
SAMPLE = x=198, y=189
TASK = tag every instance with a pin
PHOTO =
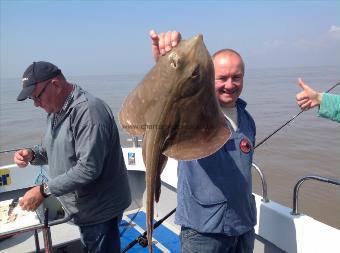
x=176, y=111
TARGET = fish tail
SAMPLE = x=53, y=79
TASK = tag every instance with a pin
x=149, y=211
x=149, y=238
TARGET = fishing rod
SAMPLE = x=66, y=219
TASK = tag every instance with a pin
x=141, y=238
x=130, y=223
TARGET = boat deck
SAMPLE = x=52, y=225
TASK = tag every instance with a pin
x=65, y=237
x=165, y=239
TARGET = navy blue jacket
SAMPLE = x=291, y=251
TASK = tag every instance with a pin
x=214, y=194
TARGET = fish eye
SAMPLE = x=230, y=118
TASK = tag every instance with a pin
x=173, y=64
x=174, y=60
x=196, y=73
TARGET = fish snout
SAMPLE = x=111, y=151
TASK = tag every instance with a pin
x=196, y=41
x=199, y=37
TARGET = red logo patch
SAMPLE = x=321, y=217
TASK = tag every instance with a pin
x=245, y=146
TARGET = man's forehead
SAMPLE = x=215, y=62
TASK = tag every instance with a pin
x=228, y=61
x=227, y=57
x=228, y=72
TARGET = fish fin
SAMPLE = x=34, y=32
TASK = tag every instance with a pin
x=161, y=165
x=197, y=143
x=143, y=103
x=144, y=150
x=131, y=115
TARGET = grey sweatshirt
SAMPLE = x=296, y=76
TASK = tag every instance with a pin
x=86, y=165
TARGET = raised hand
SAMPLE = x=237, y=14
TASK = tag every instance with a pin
x=308, y=98
x=163, y=42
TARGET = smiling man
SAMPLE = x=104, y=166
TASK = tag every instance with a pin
x=81, y=146
x=229, y=71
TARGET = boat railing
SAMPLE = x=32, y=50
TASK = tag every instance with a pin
x=135, y=141
x=264, y=183
x=301, y=181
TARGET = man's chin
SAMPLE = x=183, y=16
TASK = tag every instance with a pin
x=225, y=99
x=226, y=102
x=227, y=105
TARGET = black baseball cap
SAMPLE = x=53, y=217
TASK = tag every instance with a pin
x=35, y=73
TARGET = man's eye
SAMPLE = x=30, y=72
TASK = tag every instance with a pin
x=196, y=73
x=221, y=79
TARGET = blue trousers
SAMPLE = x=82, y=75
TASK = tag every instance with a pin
x=195, y=242
x=101, y=238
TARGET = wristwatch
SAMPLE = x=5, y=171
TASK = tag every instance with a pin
x=45, y=191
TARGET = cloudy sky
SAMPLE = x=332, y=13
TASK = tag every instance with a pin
x=111, y=37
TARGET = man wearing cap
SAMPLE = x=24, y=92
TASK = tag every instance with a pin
x=81, y=146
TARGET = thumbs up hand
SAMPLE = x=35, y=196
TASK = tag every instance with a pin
x=307, y=98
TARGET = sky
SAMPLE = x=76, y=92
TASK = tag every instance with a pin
x=111, y=37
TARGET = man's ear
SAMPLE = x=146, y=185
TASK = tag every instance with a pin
x=57, y=85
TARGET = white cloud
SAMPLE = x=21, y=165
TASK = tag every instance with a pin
x=319, y=43
x=309, y=44
x=304, y=44
x=274, y=44
x=334, y=31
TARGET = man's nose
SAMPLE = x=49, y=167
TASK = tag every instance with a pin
x=228, y=83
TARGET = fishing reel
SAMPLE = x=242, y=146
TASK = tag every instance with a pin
x=142, y=241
